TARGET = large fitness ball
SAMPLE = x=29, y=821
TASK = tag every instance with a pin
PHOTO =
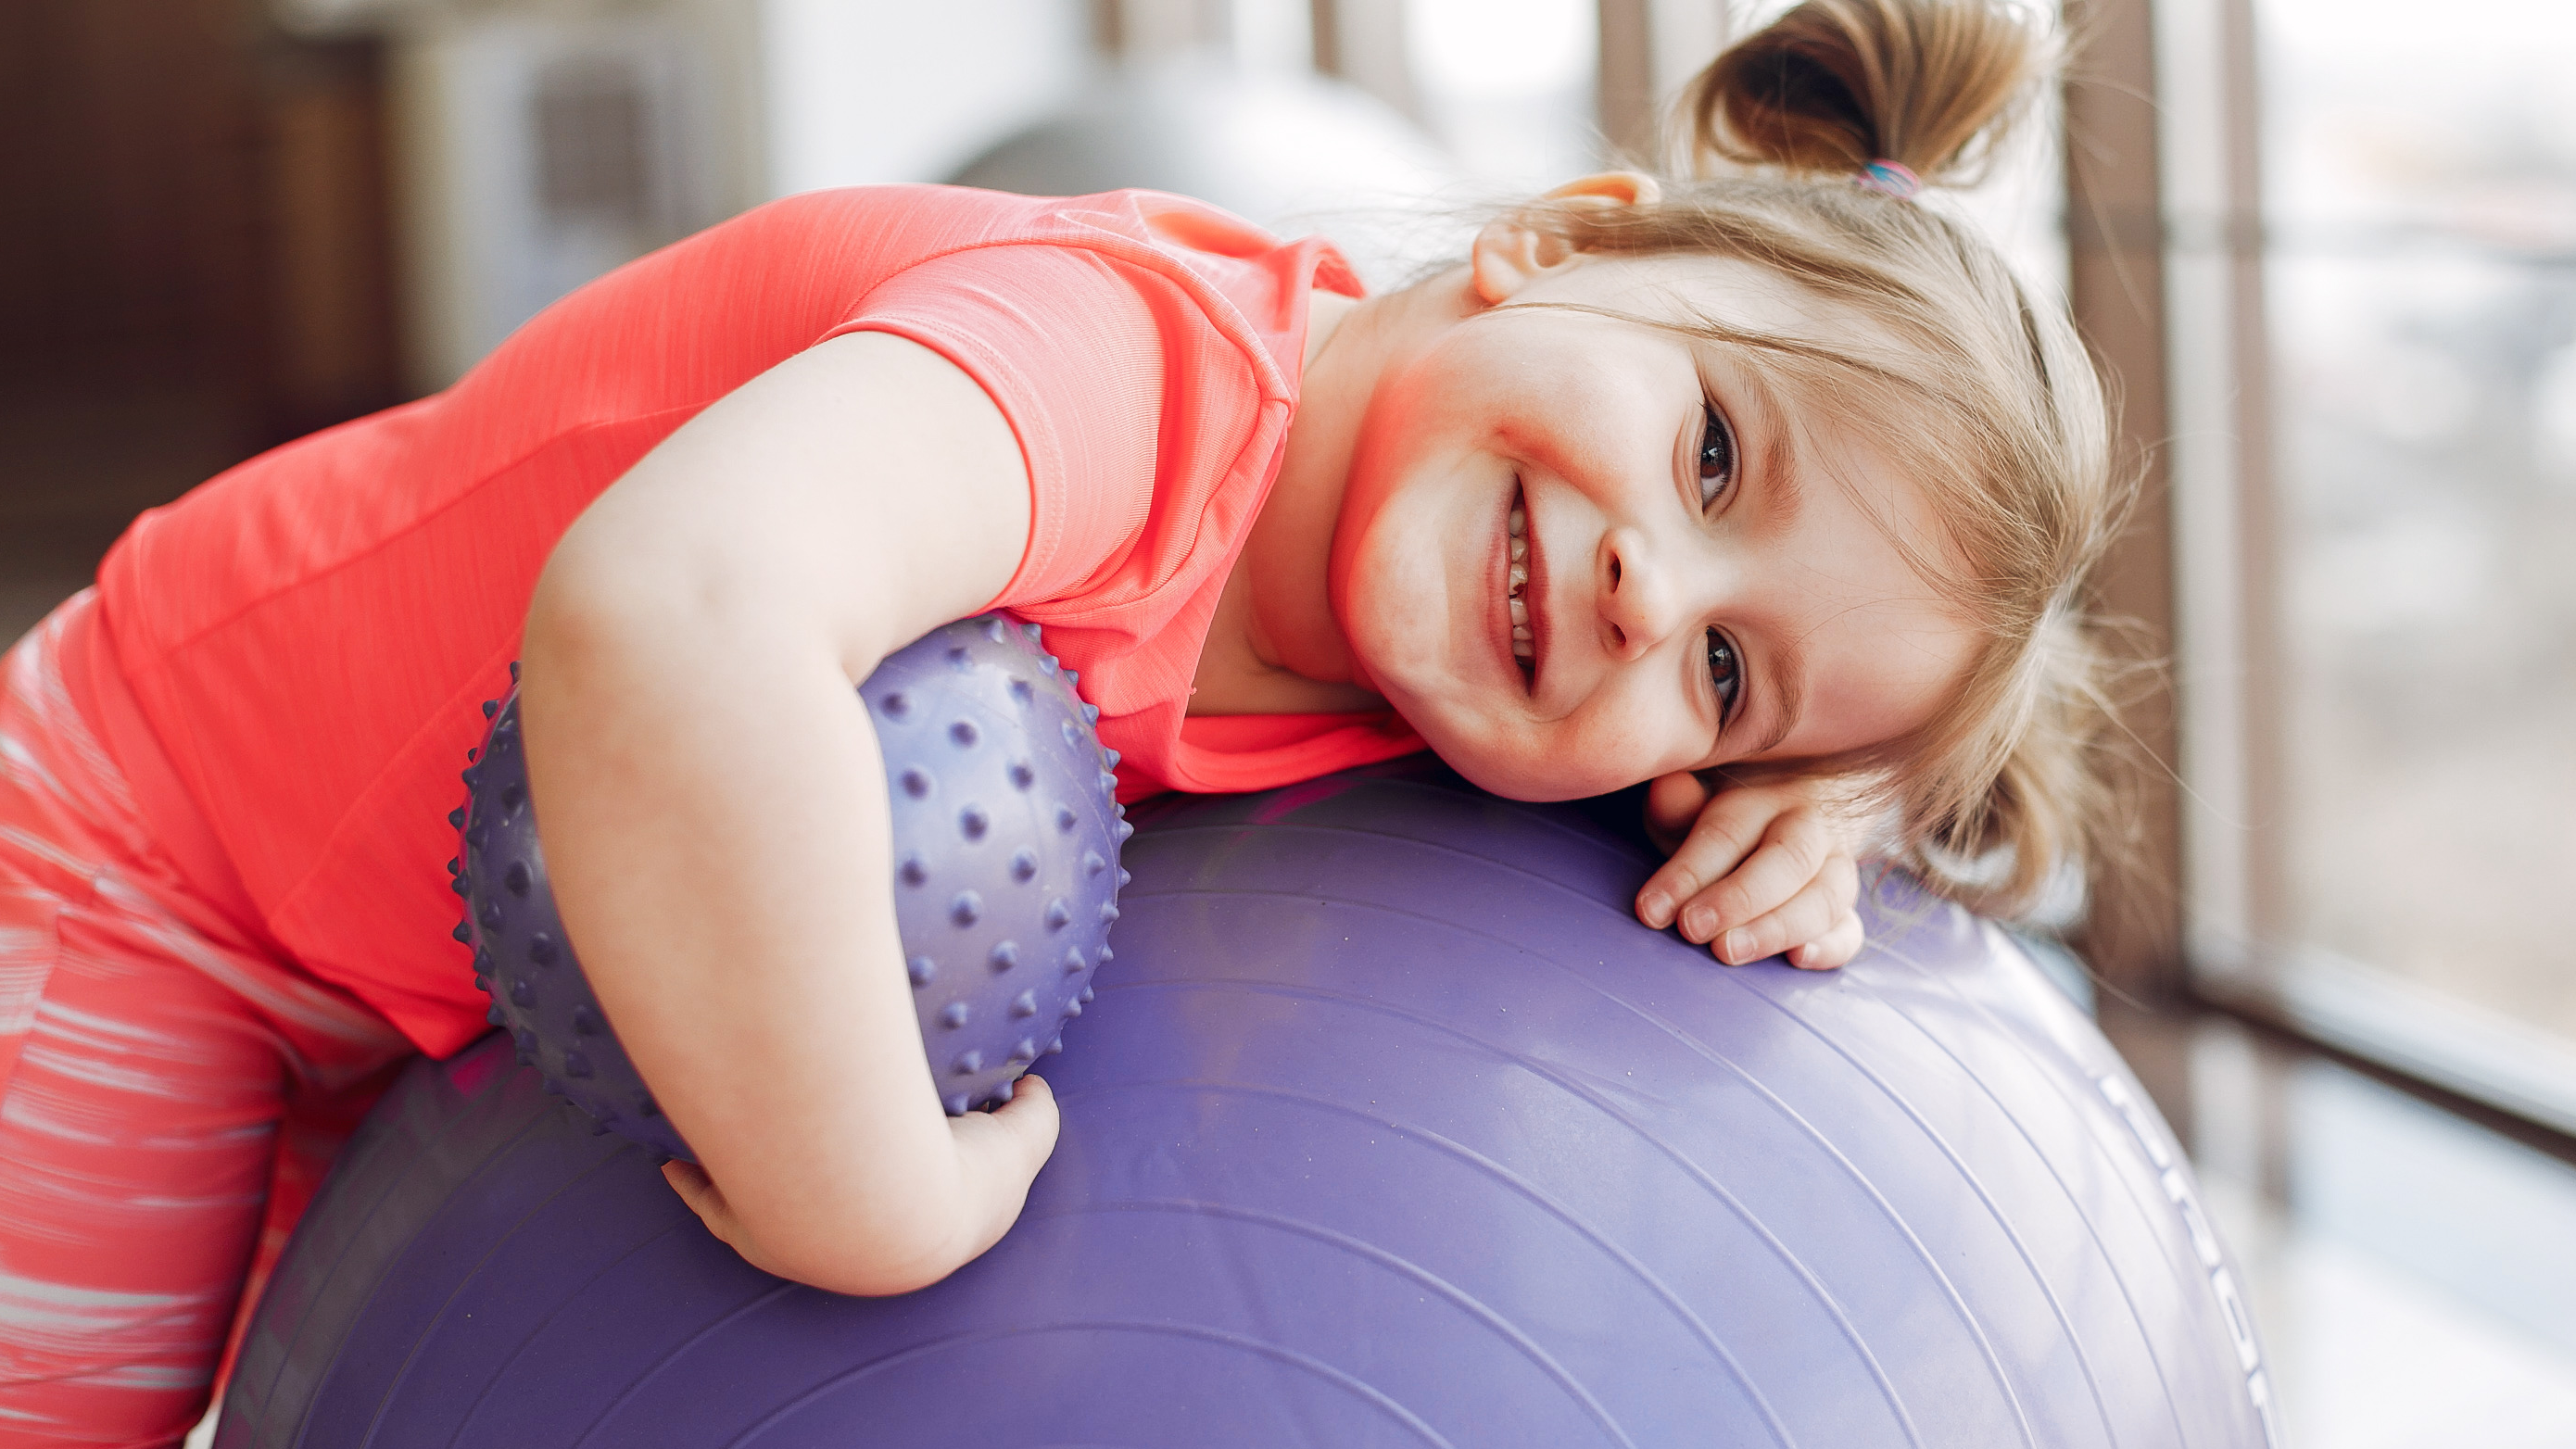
x=1394, y=1128
x=1006, y=830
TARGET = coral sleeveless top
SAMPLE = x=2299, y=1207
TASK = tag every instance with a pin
x=291, y=659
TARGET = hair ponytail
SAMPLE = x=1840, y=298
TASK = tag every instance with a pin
x=1836, y=84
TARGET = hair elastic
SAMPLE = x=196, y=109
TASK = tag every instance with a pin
x=1893, y=178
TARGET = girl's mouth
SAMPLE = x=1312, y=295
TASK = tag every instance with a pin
x=1518, y=564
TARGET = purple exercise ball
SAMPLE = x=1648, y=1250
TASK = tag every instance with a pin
x=1393, y=1128
x=1006, y=829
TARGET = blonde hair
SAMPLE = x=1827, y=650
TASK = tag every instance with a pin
x=2004, y=418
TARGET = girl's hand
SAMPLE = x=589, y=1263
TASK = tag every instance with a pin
x=998, y=1154
x=1756, y=870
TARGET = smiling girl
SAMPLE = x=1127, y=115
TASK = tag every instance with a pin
x=1773, y=489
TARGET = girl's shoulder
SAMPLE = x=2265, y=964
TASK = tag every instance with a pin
x=1251, y=285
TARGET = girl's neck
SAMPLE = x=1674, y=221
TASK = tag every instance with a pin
x=1274, y=646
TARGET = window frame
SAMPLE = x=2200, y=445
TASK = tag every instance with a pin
x=2220, y=898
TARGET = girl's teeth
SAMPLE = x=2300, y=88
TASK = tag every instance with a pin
x=1524, y=646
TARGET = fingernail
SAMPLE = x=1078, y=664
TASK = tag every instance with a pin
x=1801, y=956
x=1739, y=946
x=1697, y=925
x=1655, y=907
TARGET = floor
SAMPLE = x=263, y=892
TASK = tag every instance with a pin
x=2414, y=1276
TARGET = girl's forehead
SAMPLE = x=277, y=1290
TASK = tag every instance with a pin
x=1678, y=286
x=1690, y=290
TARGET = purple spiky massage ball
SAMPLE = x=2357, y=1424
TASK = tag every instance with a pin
x=1006, y=835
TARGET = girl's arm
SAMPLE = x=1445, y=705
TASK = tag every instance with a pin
x=714, y=802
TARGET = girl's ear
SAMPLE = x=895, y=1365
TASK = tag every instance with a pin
x=1510, y=254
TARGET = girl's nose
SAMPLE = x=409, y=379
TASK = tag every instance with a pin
x=1638, y=603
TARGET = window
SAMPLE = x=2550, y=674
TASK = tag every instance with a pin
x=1507, y=86
x=2374, y=289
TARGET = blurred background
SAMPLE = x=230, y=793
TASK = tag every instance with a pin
x=2328, y=247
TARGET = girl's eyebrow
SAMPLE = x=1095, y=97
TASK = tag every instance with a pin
x=1779, y=459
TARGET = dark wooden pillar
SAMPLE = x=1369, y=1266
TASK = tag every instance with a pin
x=2116, y=286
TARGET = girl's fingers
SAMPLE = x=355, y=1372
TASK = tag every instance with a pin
x=1792, y=850
x=707, y=1200
x=1004, y=1148
x=1811, y=915
x=1673, y=804
x=695, y=1188
x=1835, y=948
x=1023, y=1129
x=1002, y=1151
x=1727, y=830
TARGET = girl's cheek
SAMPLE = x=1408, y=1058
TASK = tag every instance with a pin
x=1629, y=737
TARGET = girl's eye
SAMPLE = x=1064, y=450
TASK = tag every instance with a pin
x=1716, y=457
x=1726, y=671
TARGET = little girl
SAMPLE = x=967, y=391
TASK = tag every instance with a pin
x=1778, y=481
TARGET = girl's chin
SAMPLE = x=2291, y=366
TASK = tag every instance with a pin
x=1496, y=766
x=1501, y=778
